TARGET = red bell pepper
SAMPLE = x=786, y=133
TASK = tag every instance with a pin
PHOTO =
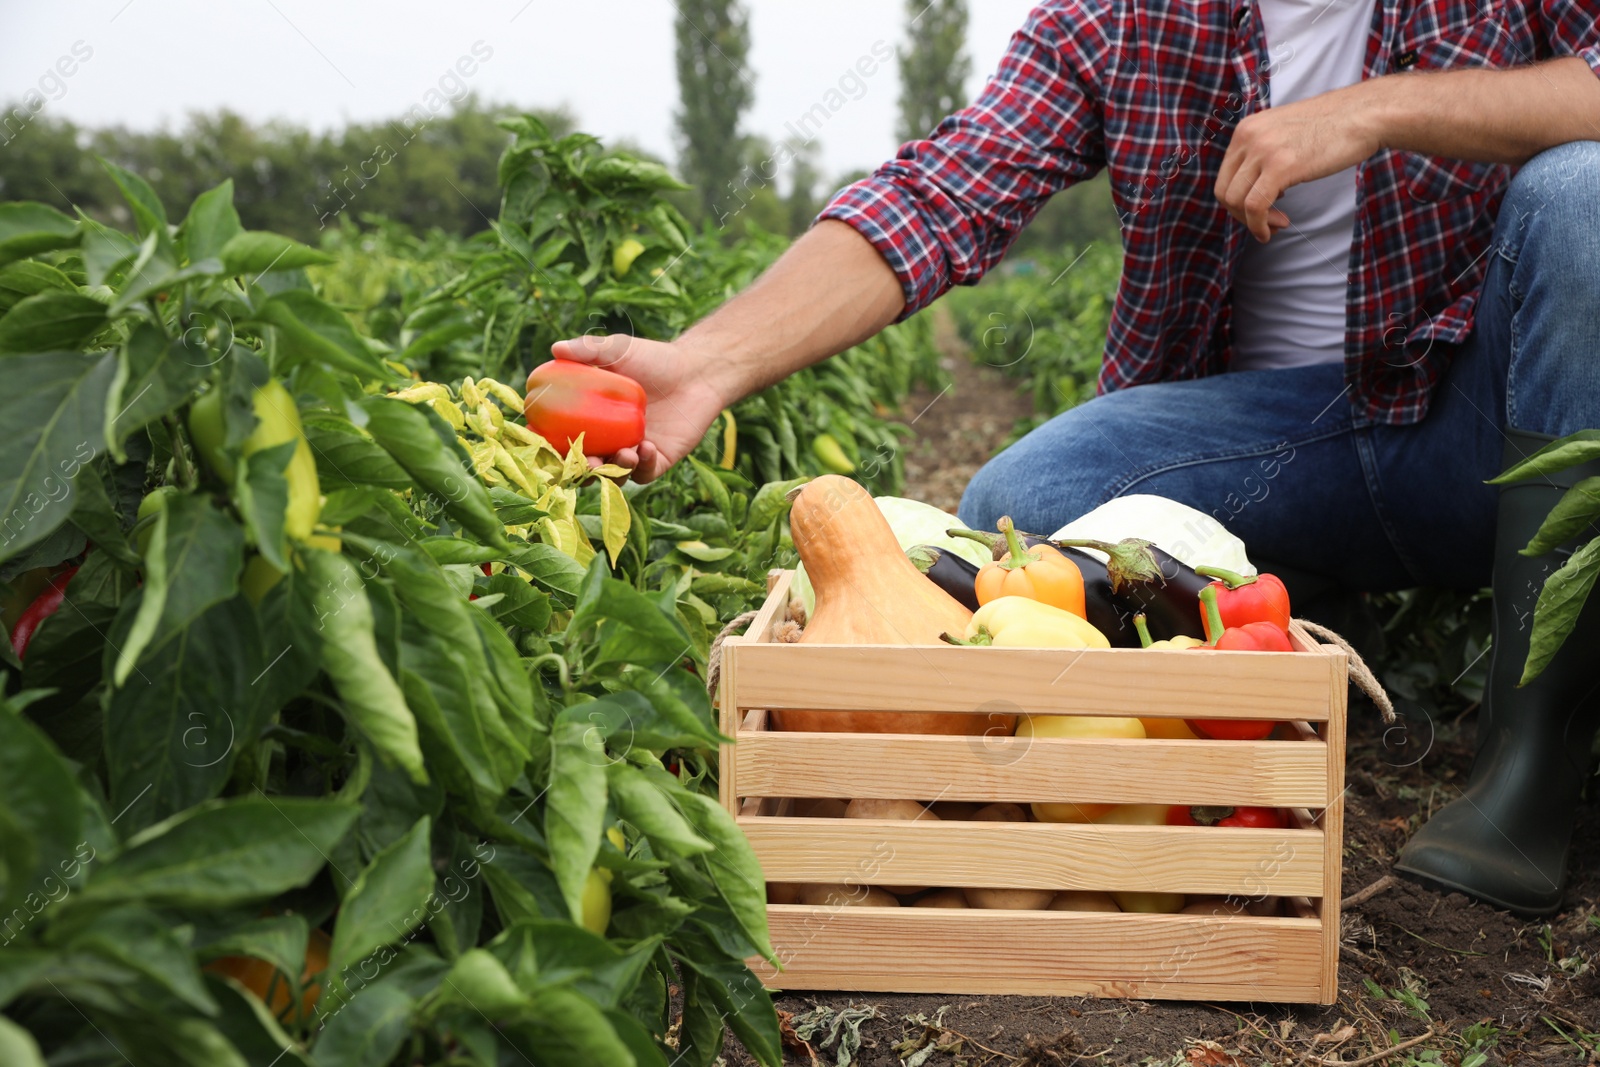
x=1207, y=815
x=44, y=605
x=566, y=399
x=1251, y=637
x=1242, y=600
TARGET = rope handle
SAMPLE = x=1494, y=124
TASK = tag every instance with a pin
x=788, y=632
x=1361, y=675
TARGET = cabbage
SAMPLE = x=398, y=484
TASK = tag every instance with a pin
x=914, y=523
x=1190, y=536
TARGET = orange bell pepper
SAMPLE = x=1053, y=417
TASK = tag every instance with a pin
x=1039, y=573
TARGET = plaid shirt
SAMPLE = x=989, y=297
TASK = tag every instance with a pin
x=1152, y=89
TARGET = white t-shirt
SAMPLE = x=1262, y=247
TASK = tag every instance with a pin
x=1289, y=294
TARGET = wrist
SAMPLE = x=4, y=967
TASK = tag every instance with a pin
x=1377, y=113
x=715, y=364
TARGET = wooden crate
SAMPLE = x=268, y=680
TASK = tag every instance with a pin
x=1289, y=958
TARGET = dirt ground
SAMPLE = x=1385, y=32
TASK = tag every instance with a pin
x=1476, y=985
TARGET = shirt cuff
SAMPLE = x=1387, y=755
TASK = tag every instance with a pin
x=887, y=215
x=1591, y=56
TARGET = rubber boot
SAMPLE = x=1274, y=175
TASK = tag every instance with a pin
x=1505, y=840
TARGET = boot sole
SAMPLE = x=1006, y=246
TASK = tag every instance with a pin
x=1439, y=885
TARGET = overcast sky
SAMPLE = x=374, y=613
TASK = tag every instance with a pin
x=325, y=62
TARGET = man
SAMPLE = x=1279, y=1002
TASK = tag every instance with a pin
x=1333, y=287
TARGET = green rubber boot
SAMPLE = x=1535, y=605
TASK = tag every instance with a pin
x=1505, y=840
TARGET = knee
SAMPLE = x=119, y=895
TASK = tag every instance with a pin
x=1042, y=482
x=1555, y=198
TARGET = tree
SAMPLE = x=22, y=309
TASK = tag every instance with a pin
x=933, y=65
x=714, y=90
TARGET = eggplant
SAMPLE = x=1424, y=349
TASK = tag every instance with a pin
x=1148, y=580
x=948, y=571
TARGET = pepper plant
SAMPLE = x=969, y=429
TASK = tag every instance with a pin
x=587, y=242
x=455, y=735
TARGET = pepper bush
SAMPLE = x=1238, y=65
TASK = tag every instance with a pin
x=417, y=738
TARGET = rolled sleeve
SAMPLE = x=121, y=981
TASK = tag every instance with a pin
x=945, y=210
x=1573, y=28
x=888, y=216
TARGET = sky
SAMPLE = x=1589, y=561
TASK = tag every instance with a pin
x=149, y=63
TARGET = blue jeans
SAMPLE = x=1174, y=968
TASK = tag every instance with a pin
x=1281, y=459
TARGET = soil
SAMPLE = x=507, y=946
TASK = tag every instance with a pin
x=1483, y=986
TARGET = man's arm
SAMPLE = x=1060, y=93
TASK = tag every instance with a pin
x=941, y=213
x=829, y=291
x=1490, y=116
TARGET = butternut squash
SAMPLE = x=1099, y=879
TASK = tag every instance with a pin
x=869, y=593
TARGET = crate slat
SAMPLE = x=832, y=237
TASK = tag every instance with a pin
x=1166, y=859
x=1111, y=681
x=1024, y=769
x=1169, y=957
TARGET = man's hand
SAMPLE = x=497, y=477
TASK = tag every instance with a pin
x=684, y=395
x=1281, y=147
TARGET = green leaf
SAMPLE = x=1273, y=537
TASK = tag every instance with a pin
x=425, y=445
x=770, y=503
x=28, y=227
x=68, y=649
x=20, y=968
x=1560, y=601
x=142, y=941
x=102, y=519
x=575, y=807
x=387, y=902
x=148, y=213
x=28, y=277
x=256, y=252
x=313, y=330
x=520, y=604
x=346, y=456
x=630, y=626
x=278, y=939
x=614, y=518
x=1576, y=510
x=566, y=1030
x=174, y=1041
x=54, y=407
x=368, y=1031
x=211, y=223
x=104, y=250
x=480, y=983
x=711, y=487
x=155, y=376
x=548, y=566
x=263, y=494
x=48, y=322
x=192, y=561
x=641, y=803
x=739, y=998
x=17, y=1046
x=732, y=862
x=251, y=1026
x=1569, y=451
x=372, y=698
x=175, y=730
x=35, y=784
x=225, y=853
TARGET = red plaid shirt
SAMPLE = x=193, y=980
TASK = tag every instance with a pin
x=1152, y=89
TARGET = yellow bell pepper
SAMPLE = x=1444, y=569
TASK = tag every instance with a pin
x=1018, y=622
x=1182, y=641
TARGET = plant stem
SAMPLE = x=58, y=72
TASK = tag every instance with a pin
x=1144, y=631
x=1213, y=615
x=1232, y=579
x=181, y=466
